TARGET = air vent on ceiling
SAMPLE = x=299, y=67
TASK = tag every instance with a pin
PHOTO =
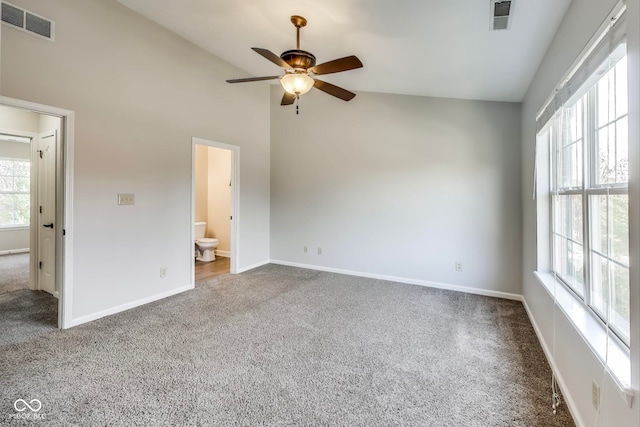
x=27, y=21
x=501, y=11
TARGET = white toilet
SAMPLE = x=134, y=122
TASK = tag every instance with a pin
x=205, y=247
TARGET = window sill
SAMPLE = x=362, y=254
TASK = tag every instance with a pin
x=13, y=227
x=593, y=333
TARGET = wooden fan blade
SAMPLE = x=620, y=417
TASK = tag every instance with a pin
x=253, y=79
x=287, y=98
x=337, y=65
x=272, y=57
x=334, y=90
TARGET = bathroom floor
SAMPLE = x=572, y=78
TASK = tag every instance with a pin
x=207, y=270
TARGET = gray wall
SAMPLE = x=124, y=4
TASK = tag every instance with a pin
x=399, y=186
x=575, y=360
x=139, y=93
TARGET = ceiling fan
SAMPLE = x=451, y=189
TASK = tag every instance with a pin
x=300, y=68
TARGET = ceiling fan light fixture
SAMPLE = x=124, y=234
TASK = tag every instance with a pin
x=300, y=66
x=297, y=83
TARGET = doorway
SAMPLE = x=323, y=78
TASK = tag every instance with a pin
x=36, y=162
x=214, y=193
x=29, y=159
x=16, y=188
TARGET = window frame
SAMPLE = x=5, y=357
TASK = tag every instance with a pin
x=589, y=187
x=15, y=192
x=600, y=340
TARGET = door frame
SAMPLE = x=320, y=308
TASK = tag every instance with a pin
x=234, y=249
x=64, y=202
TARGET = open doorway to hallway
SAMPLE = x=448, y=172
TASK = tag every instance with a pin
x=31, y=159
x=214, y=194
x=50, y=233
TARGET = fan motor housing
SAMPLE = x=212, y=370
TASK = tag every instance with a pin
x=299, y=58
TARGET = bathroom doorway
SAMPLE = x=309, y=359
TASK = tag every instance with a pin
x=215, y=190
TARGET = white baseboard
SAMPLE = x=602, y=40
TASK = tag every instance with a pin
x=124, y=307
x=446, y=286
x=15, y=251
x=251, y=267
x=566, y=396
x=224, y=254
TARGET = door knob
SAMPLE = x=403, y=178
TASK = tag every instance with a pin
x=48, y=225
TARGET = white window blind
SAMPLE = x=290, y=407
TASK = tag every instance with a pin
x=584, y=70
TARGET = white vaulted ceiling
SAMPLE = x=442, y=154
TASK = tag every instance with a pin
x=416, y=47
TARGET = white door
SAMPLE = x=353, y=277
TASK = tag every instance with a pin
x=46, y=250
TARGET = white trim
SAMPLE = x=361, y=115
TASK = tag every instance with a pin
x=14, y=251
x=67, y=240
x=252, y=266
x=567, y=397
x=7, y=137
x=234, y=250
x=224, y=254
x=127, y=306
x=34, y=107
x=14, y=227
x=64, y=275
x=594, y=335
x=20, y=133
x=16, y=159
x=192, y=236
x=437, y=285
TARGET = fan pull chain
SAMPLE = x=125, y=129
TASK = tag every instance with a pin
x=297, y=102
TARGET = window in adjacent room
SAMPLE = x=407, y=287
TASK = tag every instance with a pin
x=14, y=192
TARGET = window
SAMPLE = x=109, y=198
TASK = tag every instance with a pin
x=589, y=194
x=14, y=192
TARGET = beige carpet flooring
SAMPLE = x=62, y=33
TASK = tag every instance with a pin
x=280, y=346
x=14, y=272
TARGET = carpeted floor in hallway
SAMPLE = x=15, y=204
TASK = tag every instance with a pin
x=14, y=272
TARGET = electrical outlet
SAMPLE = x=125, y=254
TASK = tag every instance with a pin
x=459, y=266
x=304, y=249
x=163, y=271
x=126, y=199
x=595, y=394
x=319, y=251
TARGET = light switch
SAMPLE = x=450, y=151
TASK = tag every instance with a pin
x=125, y=199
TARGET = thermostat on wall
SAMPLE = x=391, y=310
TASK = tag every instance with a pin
x=125, y=199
